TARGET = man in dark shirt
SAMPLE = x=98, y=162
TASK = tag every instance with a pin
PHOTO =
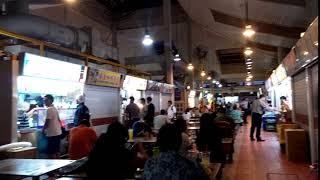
x=150, y=112
x=82, y=112
x=132, y=110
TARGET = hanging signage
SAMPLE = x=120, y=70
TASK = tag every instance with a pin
x=280, y=73
x=167, y=88
x=103, y=78
x=43, y=67
x=131, y=82
x=153, y=86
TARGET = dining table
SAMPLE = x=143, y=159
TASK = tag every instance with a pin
x=33, y=168
x=152, y=139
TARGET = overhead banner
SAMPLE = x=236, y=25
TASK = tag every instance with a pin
x=153, y=86
x=103, y=78
x=131, y=82
x=166, y=88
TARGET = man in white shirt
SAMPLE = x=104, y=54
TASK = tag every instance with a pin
x=172, y=111
x=160, y=120
x=258, y=106
x=52, y=128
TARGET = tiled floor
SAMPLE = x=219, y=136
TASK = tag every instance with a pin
x=262, y=160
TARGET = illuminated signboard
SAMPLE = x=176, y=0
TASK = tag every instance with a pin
x=43, y=67
x=280, y=73
x=274, y=79
x=103, y=78
x=131, y=82
x=268, y=84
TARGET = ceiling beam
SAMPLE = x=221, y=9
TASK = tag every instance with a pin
x=300, y=3
x=144, y=60
x=156, y=73
x=262, y=27
x=155, y=18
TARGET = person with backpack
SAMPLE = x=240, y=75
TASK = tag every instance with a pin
x=82, y=112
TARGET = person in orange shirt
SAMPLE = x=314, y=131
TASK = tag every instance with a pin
x=81, y=140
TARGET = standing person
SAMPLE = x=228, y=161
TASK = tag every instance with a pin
x=82, y=112
x=172, y=111
x=202, y=107
x=150, y=112
x=132, y=111
x=52, y=128
x=81, y=140
x=258, y=106
x=244, y=104
x=144, y=109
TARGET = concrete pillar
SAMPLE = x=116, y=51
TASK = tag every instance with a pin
x=168, y=40
x=8, y=96
x=310, y=115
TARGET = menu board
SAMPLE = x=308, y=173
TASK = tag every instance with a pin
x=131, y=82
x=280, y=73
x=43, y=67
x=103, y=78
x=167, y=88
x=153, y=86
x=289, y=62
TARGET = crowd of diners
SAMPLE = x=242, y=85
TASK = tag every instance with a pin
x=110, y=156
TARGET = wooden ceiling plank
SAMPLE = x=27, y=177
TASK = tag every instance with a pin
x=300, y=3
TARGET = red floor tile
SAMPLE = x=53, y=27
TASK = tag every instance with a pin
x=254, y=160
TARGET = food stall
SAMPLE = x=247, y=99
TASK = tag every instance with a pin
x=153, y=91
x=166, y=94
x=102, y=97
x=132, y=86
x=39, y=76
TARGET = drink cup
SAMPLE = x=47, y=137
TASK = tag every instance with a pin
x=130, y=131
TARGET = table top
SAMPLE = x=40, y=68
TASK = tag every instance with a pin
x=193, y=128
x=143, y=140
x=194, y=122
x=31, y=167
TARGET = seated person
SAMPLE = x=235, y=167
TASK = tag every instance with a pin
x=221, y=116
x=236, y=115
x=186, y=115
x=186, y=143
x=169, y=164
x=110, y=158
x=141, y=129
x=160, y=120
x=81, y=140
